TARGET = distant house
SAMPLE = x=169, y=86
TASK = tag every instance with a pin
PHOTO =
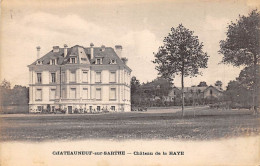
x=195, y=92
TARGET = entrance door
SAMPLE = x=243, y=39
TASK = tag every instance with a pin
x=70, y=109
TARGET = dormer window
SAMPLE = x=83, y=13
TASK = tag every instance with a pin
x=112, y=61
x=38, y=62
x=53, y=62
x=73, y=60
x=99, y=61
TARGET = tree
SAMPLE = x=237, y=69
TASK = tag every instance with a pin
x=202, y=84
x=135, y=84
x=5, y=84
x=219, y=84
x=241, y=90
x=181, y=54
x=135, y=96
x=5, y=92
x=241, y=46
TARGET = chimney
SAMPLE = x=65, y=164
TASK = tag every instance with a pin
x=65, y=50
x=56, y=49
x=119, y=50
x=103, y=48
x=91, y=51
x=38, y=51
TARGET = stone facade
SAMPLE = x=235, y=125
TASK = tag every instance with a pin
x=80, y=79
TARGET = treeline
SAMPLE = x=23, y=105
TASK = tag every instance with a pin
x=18, y=95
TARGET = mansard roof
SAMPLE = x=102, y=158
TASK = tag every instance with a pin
x=107, y=54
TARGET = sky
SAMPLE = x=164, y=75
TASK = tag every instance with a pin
x=139, y=26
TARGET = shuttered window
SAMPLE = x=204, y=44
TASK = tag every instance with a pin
x=85, y=93
x=73, y=93
x=98, y=93
x=52, y=94
x=38, y=95
x=98, y=77
x=112, y=77
x=112, y=94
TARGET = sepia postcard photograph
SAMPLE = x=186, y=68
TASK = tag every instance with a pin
x=129, y=82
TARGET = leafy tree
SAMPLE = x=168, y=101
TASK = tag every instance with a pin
x=181, y=54
x=202, y=84
x=241, y=90
x=246, y=77
x=5, y=84
x=5, y=92
x=135, y=84
x=241, y=47
x=218, y=84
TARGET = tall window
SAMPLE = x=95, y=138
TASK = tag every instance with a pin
x=72, y=76
x=64, y=93
x=39, y=77
x=98, y=93
x=112, y=94
x=85, y=76
x=112, y=77
x=73, y=93
x=98, y=76
x=63, y=76
x=85, y=93
x=53, y=77
x=52, y=94
x=38, y=96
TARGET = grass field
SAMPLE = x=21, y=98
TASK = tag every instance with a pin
x=198, y=124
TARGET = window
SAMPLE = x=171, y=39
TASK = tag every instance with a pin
x=98, y=108
x=73, y=93
x=63, y=76
x=112, y=61
x=85, y=76
x=113, y=108
x=39, y=108
x=38, y=96
x=72, y=76
x=98, y=61
x=53, y=77
x=98, y=77
x=52, y=94
x=98, y=93
x=73, y=60
x=211, y=92
x=53, y=61
x=39, y=77
x=52, y=108
x=39, y=62
x=112, y=94
x=85, y=93
x=112, y=77
x=63, y=93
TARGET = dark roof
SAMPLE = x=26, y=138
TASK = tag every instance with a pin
x=196, y=88
x=107, y=54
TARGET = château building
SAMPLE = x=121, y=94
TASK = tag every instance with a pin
x=80, y=78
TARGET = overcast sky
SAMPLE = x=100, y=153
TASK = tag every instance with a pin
x=139, y=26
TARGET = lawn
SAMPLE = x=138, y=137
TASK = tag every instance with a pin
x=198, y=124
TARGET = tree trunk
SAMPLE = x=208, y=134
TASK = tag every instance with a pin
x=255, y=90
x=182, y=94
x=182, y=88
